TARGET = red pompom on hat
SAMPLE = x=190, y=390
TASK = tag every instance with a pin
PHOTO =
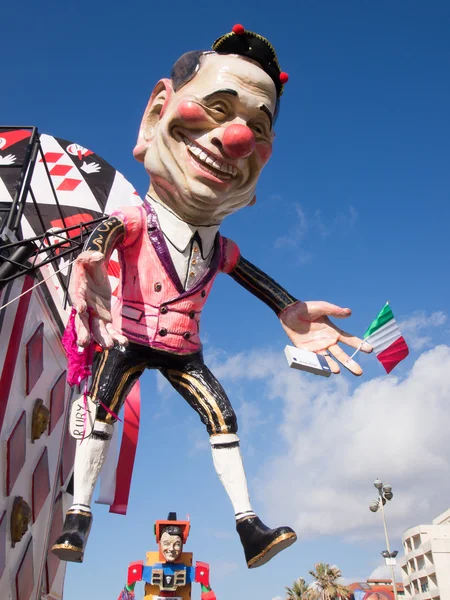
x=238, y=29
x=256, y=47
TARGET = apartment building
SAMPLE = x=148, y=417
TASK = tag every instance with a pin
x=425, y=567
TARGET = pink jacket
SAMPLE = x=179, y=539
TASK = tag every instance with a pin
x=152, y=308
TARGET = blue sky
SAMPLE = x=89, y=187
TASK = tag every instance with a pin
x=353, y=208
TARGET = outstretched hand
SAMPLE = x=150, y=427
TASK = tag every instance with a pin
x=90, y=288
x=308, y=326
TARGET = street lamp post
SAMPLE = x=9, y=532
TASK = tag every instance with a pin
x=384, y=494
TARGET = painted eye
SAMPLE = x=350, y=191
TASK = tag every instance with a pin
x=220, y=108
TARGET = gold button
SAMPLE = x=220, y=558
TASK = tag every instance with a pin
x=196, y=249
x=191, y=274
x=194, y=262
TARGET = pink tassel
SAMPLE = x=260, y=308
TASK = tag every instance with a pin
x=79, y=359
x=80, y=362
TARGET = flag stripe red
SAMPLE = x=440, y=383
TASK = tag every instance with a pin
x=396, y=352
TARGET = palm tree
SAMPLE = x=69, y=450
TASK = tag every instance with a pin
x=326, y=586
x=298, y=591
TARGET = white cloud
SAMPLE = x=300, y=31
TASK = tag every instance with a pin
x=384, y=572
x=295, y=235
x=304, y=225
x=297, y=232
x=334, y=441
x=416, y=329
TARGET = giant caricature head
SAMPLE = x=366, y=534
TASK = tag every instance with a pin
x=171, y=543
x=208, y=131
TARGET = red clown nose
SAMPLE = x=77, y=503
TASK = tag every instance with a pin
x=238, y=141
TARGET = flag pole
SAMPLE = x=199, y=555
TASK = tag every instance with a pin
x=356, y=351
x=360, y=346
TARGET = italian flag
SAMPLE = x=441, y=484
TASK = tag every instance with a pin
x=386, y=339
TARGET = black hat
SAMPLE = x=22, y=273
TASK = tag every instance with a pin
x=254, y=46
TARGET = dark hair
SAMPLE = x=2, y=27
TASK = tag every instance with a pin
x=172, y=530
x=188, y=65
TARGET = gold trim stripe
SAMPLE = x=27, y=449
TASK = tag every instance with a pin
x=66, y=547
x=83, y=513
x=242, y=519
x=280, y=538
x=102, y=243
x=120, y=387
x=99, y=371
x=198, y=389
x=188, y=387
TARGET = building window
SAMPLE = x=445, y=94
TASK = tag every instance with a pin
x=40, y=486
x=57, y=399
x=53, y=561
x=34, y=358
x=3, y=538
x=424, y=585
x=420, y=562
x=25, y=574
x=16, y=449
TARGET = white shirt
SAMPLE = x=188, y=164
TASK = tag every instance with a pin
x=189, y=259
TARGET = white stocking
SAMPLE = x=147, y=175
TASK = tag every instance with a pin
x=230, y=469
x=89, y=459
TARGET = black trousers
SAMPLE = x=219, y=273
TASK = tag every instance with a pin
x=115, y=372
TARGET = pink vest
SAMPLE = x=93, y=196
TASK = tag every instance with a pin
x=152, y=308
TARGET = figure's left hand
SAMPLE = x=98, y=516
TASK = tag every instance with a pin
x=308, y=326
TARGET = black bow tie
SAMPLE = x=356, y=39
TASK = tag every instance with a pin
x=196, y=238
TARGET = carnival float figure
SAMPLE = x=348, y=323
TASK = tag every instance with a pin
x=205, y=136
x=169, y=572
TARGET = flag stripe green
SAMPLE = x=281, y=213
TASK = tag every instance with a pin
x=384, y=317
x=384, y=336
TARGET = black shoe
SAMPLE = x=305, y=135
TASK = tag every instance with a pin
x=260, y=543
x=71, y=543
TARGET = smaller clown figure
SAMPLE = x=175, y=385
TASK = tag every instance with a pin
x=169, y=572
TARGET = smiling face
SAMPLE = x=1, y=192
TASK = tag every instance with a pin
x=171, y=546
x=206, y=149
